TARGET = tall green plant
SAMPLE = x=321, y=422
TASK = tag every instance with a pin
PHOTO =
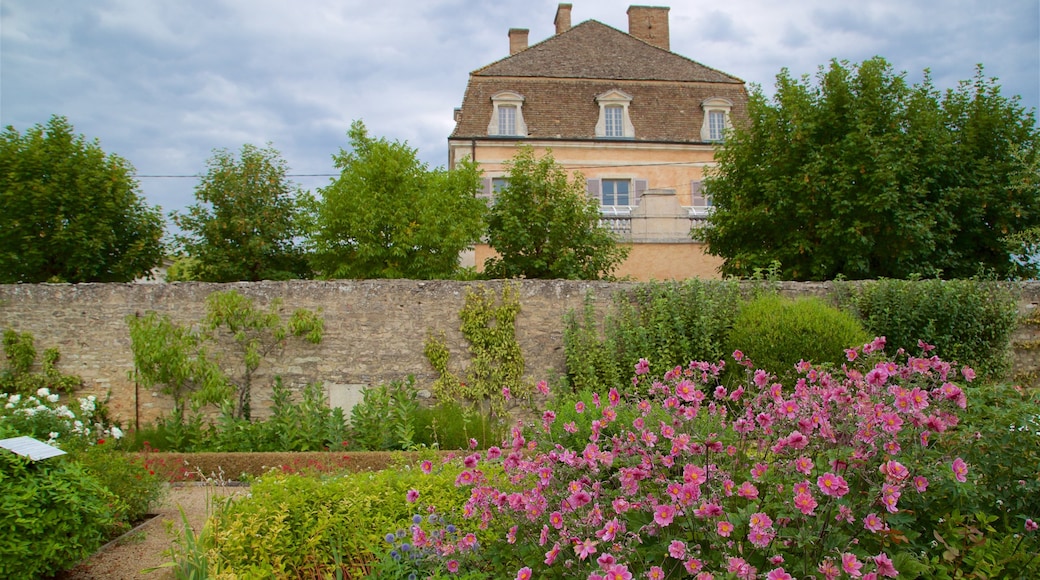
x=385, y=417
x=968, y=321
x=667, y=323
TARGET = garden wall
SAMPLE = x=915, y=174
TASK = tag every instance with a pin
x=374, y=329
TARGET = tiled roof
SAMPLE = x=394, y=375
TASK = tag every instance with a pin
x=593, y=50
x=561, y=77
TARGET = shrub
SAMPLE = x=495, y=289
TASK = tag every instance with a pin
x=44, y=416
x=136, y=486
x=53, y=513
x=669, y=323
x=968, y=321
x=776, y=332
x=293, y=526
x=449, y=425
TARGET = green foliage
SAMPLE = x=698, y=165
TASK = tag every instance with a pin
x=385, y=417
x=247, y=220
x=667, y=323
x=178, y=358
x=137, y=488
x=309, y=425
x=42, y=415
x=776, y=333
x=862, y=175
x=389, y=216
x=496, y=369
x=544, y=225
x=53, y=513
x=17, y=375
x=71, y=213
x=450, y=425
x=968, y=321
x=292, y=526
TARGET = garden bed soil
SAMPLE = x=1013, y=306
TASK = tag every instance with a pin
x=127, y=557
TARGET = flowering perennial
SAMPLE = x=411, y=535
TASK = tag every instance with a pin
x=730, y=480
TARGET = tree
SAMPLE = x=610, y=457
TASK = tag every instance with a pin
x=215, y=364
x=247, y=222
x=71, y=213
x=862, y=175
x=544, y=225
x=388, y=216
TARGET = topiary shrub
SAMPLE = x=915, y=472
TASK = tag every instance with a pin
x=776, y=332
x=53, y=514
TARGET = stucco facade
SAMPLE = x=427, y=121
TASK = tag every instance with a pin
x=622, y=110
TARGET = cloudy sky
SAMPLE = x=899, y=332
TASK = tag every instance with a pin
x=164, y=82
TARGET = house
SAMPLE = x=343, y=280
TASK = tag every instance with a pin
x=640, y=122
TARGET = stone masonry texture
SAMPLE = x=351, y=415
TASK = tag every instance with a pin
x=374, y=329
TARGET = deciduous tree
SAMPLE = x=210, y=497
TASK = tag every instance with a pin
x=544, y=225
x=863, y=175
x=389, y=216
x=69, y=212
x=248, y=222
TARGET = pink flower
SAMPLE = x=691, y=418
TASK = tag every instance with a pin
x=550, y=556
x=693, y=565
x=778, y=574
x=506, y=394
x=412, y=496
x=543, y=387
x=617, y=572
x=1031, y=526
x=724, y=528
x=960, y=470
x=832, y=485
x=579, y=407
x=453, y=566
x=663, y=514
x=968, y=373
x=677, y=549
x=894, y=471
x=851, y=565
x=655, y=573
x=585, y=548
x=921, y=483
x=642, y=367
x=426, y=466
x=747, y=490
x=885, y=566
x=523, y=574
x=873, y=523
x=805, y=503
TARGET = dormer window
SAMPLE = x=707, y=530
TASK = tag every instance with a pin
x=716, y=119
x=507, y=116
x=614, y=121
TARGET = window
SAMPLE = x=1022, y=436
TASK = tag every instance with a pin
x=614, y=121
x=498, y=184
x=716, y=119
x=507, y=115
x=614, y=192
x=507, y=120
x=614, y=118
x=716, y=125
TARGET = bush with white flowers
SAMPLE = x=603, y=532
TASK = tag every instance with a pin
x=46, y=417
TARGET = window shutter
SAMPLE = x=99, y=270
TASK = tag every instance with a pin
x=697, y=194
x=592, y=187
x=485, y=192
x=638, y=186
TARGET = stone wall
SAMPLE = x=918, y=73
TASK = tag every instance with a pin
x=374, y=329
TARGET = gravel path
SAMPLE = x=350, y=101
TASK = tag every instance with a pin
x=130, y=555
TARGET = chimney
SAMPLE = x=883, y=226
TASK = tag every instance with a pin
x=649, y=24
x=563, y=18
x=517, y=40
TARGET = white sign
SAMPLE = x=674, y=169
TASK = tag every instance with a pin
x=31, y=448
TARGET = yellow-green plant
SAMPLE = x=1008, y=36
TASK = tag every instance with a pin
x=496, y=370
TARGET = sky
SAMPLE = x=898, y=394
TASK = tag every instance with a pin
x=163, y=83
